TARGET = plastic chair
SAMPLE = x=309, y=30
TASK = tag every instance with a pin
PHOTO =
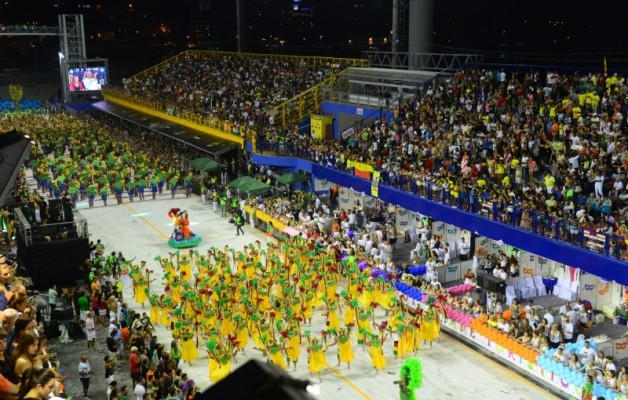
x=580, y=338
x=510, y=295
x=565, y=293
x=559, y=284
x=529, y=282
x=541, y=290
x=525, y=291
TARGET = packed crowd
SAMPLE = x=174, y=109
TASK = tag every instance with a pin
x=94, y=156
x=27, y=367
x=229, y=87
x=553, y=146
x=547, y=151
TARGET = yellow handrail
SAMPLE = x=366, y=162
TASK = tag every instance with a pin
x=287, y=113
x=221, y=128
x=155, y=68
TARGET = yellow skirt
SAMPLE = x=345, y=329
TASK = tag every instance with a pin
x=165, y=316
x=218, y=371
x=293, y=349
x=227, y=327
x=279, y=360
x=334, y=320
x=429, y=330
x=377, y=357
x=345, y=352
x=189, y=352
x=349, y=317
x=316, y=362
x=257, y=339
x=242, y=338
x=185, y=272
x=140, y=294
x=154, y=314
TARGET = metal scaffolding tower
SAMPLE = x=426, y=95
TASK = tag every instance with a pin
x=72, y=50
x=72, y=37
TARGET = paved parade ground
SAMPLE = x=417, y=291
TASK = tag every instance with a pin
x=450, y=369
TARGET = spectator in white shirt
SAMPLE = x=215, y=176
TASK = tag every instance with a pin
x=610, y=364
x=140, y=389
x=53, y=298
x=587, y=353
x=463, y=249
x=352, y=218
x=549, y=317
x=568, y=330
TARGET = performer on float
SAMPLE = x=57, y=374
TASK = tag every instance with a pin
x=182, y=237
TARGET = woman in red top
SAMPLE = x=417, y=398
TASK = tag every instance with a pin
x=343, y=216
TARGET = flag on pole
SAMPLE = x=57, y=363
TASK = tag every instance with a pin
x=605, y=67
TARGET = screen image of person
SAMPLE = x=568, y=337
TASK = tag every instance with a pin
x=75, y=84
x=89, y=81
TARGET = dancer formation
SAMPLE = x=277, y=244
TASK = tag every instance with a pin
x=222, y=300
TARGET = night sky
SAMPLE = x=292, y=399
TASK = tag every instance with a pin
x=530, y=32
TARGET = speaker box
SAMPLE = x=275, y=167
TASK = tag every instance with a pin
x=62, y=314
x=14, y=148
x=55, y=262
x=259, y=381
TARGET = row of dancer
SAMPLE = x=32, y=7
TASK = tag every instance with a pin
x=224, y=299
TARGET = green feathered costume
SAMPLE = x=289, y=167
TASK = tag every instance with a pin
x=410, y=379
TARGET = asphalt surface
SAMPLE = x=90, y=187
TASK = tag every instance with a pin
x=69, y=354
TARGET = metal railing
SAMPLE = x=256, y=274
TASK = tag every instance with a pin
x=312, y=60
x=28, y=30
x=284, y=114
x=560, y=229
x=429, y=61
x=23, y=226
x=300, y=106
x=223, y=126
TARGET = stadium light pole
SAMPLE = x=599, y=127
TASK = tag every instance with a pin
x=395, y=27
x=239, y=24
x=64, y=85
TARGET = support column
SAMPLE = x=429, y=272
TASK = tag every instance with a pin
x=420, y=34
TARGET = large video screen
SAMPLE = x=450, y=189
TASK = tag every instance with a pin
x=87, y=79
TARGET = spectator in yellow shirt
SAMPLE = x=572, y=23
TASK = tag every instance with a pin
x=549, y=181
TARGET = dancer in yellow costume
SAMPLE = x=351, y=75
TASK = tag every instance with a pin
x=185, y=269
x=293, y=347
x=219, y=357
x=155, y=306
x=333, y=320
x=166, y=311
x=189, y=352
x=316, y=356
x=429, y=327
x=376, y=351
x=275, y=353
x=140, y=284
x=345, y=349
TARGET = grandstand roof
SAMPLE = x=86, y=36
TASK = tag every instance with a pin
x=190, y=137
x=385, y=75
